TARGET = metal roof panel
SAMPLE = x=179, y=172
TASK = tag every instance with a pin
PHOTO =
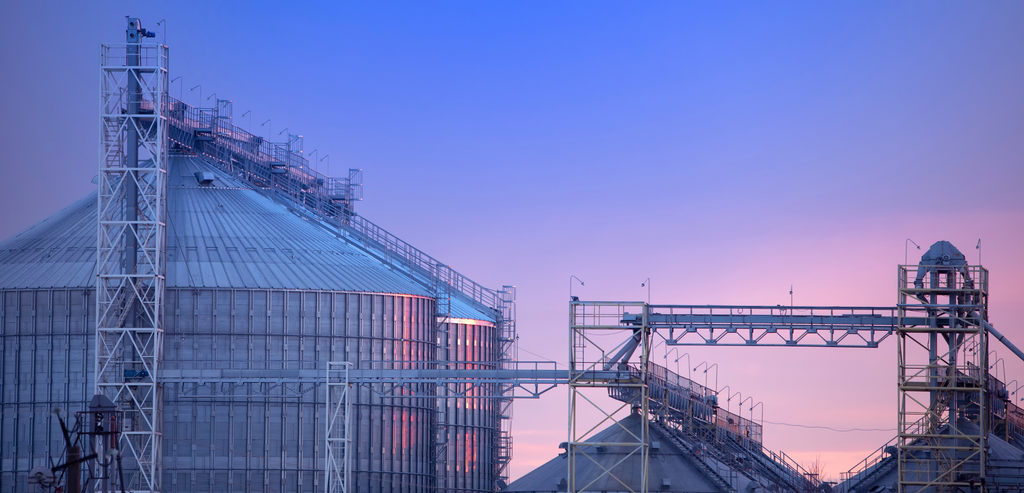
x=226, y=235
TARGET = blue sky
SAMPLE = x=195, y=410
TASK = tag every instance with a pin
x=724, y=151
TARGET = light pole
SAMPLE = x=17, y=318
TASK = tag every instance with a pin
x=571, y=278
x=327, y=156
x=656, y=344
x=1015, y=388
x=248, y=112
x=267, y=124
x=726, y=390
x=180, y=86
x=759, y=403
x=200, y=87
x=994, y=366
x=216, y=111
x=906, y=246
x=739, y=407
x=311, y=159
x=668, y=351
x=744, y=428
x=689, y=374
x=705, y=364
x=647, y=282
x=729, y=400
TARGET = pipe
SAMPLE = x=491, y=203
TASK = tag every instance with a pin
x=1006, y=342
x=626, y=352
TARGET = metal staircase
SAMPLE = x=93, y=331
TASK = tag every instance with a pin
x=443, y=297
x=507, y=357
x=688, y=413
x=723, y=477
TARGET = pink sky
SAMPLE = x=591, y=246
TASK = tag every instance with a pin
x=849, y=264
x=726, y=153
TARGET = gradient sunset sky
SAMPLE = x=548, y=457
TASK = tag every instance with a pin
x=726, y=152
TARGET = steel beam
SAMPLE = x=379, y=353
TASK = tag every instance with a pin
x=760, y=325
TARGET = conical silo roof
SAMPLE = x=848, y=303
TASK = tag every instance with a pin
x=221, y=235
x=669, y=467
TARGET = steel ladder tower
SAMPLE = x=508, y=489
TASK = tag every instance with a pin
x=943, y=373
x=507, y=357
x=131, y=246
x=596, y=364
x=338, y=432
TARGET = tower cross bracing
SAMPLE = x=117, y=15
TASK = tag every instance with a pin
x=131, y=251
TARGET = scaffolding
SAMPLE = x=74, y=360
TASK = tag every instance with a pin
x=131, y=230
x=591, y=353
x=943, y=376
x=338, y=466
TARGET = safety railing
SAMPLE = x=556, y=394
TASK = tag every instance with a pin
x=396, y=249
x=869, y=462
x=112, y=55
x=1014, y=420
x=278, y=167
x=792, y=468
x=683, y=400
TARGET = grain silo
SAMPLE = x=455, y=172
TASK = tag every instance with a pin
x=269, y=275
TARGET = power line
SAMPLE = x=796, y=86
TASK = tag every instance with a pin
x=829, y=428
x=545, y=358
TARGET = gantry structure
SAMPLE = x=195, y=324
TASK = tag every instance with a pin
x=942, y=329
x=940, y=322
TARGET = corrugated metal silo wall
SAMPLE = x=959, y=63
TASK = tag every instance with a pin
x=473, y=424
x=222, y=436
x=46, y=351
x=272, y=439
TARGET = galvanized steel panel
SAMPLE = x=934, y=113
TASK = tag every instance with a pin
x=251, y=285
x=226, y=235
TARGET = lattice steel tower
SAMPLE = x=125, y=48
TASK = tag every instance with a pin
x=943, y=373
x=131, y=247
x=592, y=365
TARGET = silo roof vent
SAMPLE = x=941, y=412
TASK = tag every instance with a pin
x=204, y=178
